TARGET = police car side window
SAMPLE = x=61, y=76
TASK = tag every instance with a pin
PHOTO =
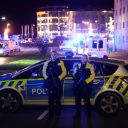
x=97, y=68
x=108, y=69
x=30, y=73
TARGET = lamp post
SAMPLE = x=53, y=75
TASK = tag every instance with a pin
x=6, y=31
x=8, y=24
x=3, y=18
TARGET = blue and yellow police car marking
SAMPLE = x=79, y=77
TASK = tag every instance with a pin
x=117, y=83
x=6, y=84
x=125, y=92
x=108, y=82
x=13, y=83
x=2, y=83
x=10, y=84
x=123, y=88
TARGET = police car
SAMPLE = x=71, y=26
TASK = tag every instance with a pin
x=109, y=94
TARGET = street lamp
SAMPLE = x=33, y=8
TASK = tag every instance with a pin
x=6, y=32
x=7, y=27
x=3, y=18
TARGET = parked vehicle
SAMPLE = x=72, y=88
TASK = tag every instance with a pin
x=109, y=92
x=8, y=46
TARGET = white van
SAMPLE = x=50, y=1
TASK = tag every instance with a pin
x=8, y=46
x=97, y=47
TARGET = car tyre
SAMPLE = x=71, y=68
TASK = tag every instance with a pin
x=10, y=101
x=108, y=103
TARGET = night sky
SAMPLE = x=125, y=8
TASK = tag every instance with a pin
x=24, y=11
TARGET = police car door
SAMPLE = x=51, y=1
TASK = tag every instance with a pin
x=34, y=84
x=68, y=94
x=98, y=80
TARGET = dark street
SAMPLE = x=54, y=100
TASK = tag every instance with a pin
x=30, y=116
x=37, y=116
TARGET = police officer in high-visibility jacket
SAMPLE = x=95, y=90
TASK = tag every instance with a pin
x=83, y=74
x=54, y=72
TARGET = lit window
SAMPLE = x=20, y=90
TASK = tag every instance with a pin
x=123, y=24
x=116, y=12
x=123, y=10
x=116, y=26
x=120, y=11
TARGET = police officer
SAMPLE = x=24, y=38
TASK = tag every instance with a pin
x=83, y=78
x=54, y=72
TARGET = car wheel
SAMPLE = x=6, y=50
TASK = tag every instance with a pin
x=10, y=101
x=108, y=103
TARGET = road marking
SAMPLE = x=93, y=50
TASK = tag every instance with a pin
x=42, y=115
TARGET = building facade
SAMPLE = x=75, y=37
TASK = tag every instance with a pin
x=58, y=20
x=53, y=21
x=121, y=24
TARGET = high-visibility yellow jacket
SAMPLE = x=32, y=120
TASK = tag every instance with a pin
x=87, y=66
x=58, y=69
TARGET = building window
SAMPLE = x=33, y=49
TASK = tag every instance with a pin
x=38, y=21
x=123, y=24
x=43, y=27
x=116, y=13
x=120, y=11
x=127, y=24
x=123, y=10
x=62, y=14
x=55, y=20
x=116, y=26
x=38, y=28
x=53, y=14
x=44, y=15
x=127, y=38
x=53, y=27
x=44, y=21
x=38, y=15
x=127, y=8
x=119, y=25
x=123, y=39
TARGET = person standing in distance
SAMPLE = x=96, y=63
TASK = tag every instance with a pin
x=83, y=74
x=54, y=72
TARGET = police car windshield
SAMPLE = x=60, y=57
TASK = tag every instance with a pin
x=126, y=67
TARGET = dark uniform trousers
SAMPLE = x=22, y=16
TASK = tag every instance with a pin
x=82, y=91
x=54, y=73
x=54, y=98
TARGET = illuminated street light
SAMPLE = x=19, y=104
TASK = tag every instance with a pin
x=7, y=28
x=6, y=31
x=8, y=25
x=90, y=32
x=104, y=11
x=3, y=18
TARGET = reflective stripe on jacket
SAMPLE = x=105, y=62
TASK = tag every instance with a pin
x=59, y=70
x=88, y=66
